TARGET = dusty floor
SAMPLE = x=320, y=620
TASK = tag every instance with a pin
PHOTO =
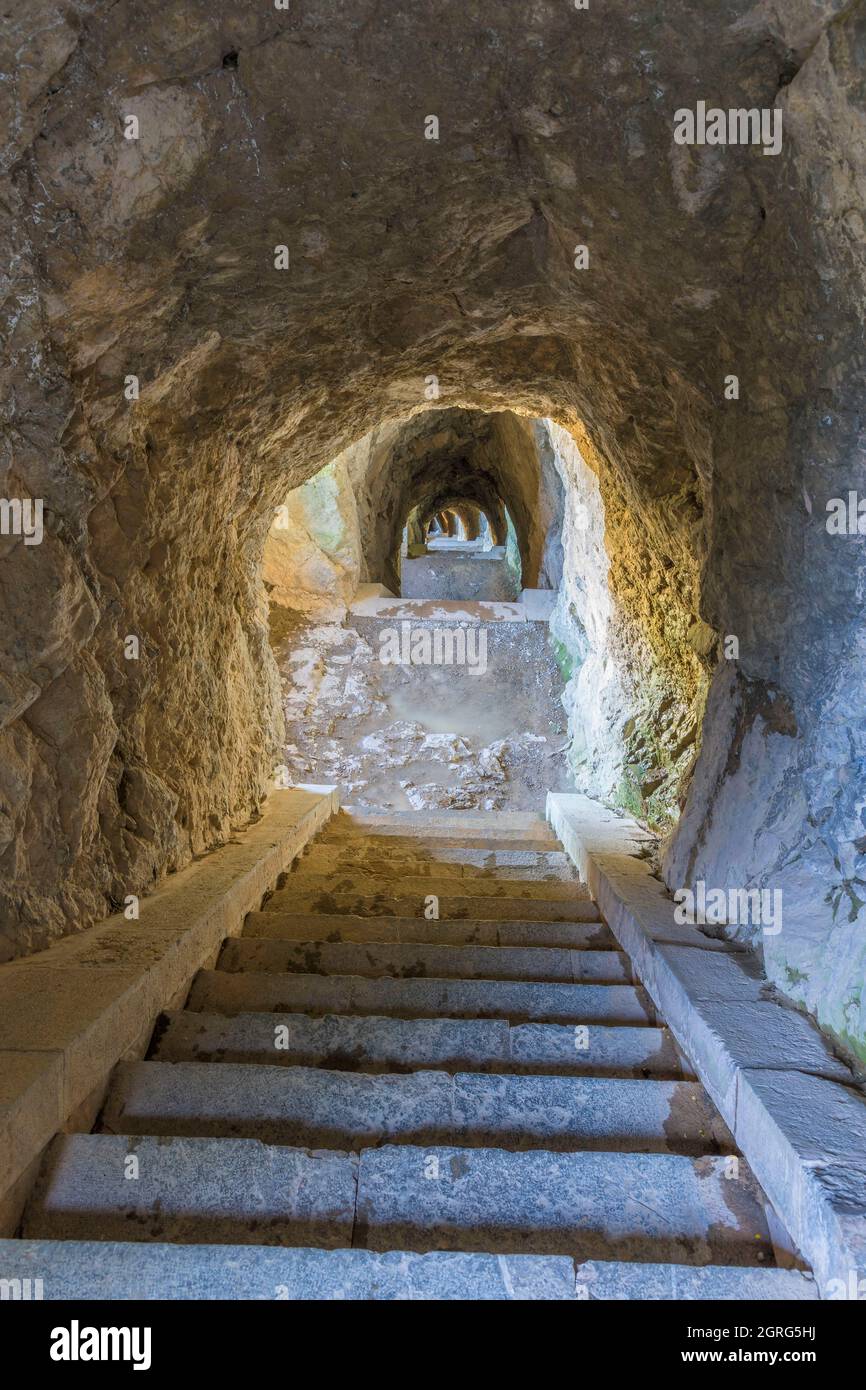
x=402, y=737
x=444, y=574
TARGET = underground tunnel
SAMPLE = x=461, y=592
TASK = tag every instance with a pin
x=331, y=333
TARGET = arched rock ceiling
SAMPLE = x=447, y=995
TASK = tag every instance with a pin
x=441, y=456
x=408, y=258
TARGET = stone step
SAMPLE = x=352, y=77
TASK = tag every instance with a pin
x=374, y=1044
x=384, y=839
x=192, y=1189
x=78, y=1270
x=486, y=840
x=438, y=610
x=472, y=883
x=451, y=906
x=458, y=823
x=410, y=960
x=507, y=842
x=322, y=926
x=86, y=1270
x=592, y=1206
x=525, y=865
x=447, y=851
x=621, y=1281
x=313, y=1108
x=219, y=991
x=596, y=1050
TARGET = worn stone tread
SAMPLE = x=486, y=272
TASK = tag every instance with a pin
x=650, y=1207
x=322, y=926
x=622, y=1281
x=416, y=960
x=383, y=861
x=92, y=1270
x=220, y=991
x=352, y=819
x=489, y=838
x=593, y=1206
x=470, y=884
x=393, y=841
x=82, y=1270
x=316, y=1108
x=351, y=1043
x=452, y=906
x=192, y=1189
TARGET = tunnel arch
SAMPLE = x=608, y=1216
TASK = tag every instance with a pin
x=439, y=457
x=422, y=273
x=473, y=520
x=468, y=517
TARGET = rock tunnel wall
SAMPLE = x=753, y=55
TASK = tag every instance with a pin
x=233, y=253
x=635, y=689
x=346, y=525
x=635, y=692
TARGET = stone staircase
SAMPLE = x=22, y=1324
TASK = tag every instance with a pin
x=361, y=1101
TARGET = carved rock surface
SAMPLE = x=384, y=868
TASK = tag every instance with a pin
x=411, y=259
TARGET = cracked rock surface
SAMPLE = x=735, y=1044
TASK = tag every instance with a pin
x=408, y=259
x=419, y=737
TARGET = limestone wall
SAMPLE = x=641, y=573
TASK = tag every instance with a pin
x=206, y=305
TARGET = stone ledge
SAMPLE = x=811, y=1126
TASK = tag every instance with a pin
x=438, y=610
x=112, y=1270
x=790, y=1103
x=69, y=1014
x=538, y=604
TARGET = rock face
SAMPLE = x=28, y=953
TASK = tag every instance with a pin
x=208, y=303
x=313, y=558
